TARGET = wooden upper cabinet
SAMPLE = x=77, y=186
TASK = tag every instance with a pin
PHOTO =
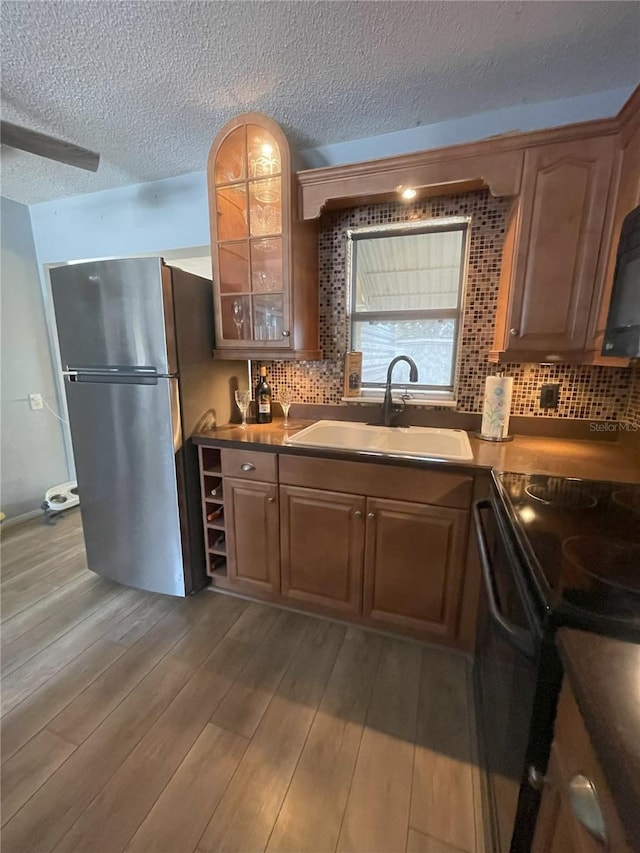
x=626, y=198
x=552, y=247
x=441, y=171
x=265, y=279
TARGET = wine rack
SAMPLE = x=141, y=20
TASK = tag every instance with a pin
x=213, y=518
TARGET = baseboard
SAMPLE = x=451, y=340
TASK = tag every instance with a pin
x=20, y=519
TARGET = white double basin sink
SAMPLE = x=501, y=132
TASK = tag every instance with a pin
x=416, y=442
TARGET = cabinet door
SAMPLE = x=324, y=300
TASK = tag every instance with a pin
x=627, y=198
x=563, y=819
x=264, y=259
x=554, y=826
x=558, y=233
x=322, y=544
x=414, y=559
x=249, y=196
x=253, y=552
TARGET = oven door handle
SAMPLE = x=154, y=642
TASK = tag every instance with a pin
x=514, y=635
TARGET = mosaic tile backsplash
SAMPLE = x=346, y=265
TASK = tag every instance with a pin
x=601, y=393
x=633, y=411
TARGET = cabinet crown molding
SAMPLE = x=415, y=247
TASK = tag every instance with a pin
x=494, y=163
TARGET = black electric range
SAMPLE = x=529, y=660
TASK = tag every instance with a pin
x=554, y=551
x=580, y=541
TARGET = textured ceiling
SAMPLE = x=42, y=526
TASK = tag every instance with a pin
x=148, y=84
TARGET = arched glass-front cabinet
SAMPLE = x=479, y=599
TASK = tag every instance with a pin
x=264, y=260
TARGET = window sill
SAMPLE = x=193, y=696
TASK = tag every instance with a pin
x=424, y=402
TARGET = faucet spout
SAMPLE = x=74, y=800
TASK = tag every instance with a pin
x=387, y=404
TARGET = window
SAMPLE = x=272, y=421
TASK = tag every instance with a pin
x=406, y=291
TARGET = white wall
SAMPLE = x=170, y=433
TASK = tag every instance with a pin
x=32, y=448
x=521, y=117
x=169, y=214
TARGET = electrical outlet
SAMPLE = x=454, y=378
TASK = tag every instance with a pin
x=549, y=396
x=35, y=401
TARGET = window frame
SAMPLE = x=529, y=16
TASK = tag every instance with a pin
x=419, y=392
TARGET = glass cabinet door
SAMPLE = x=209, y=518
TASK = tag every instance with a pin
x=249, y=187
x=233, y=267
x=236, y=318
x=263, y=153
x=266, y=265
x=231, y=159
x=231, y=205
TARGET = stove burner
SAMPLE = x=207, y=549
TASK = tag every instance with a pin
x=560, y=494
x=628, y=498
x=613, y=562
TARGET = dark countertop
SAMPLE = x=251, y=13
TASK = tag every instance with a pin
x=591, y=460
x=604, y=674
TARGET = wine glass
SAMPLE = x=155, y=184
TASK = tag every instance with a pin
x=243, y=399
x=285, y=399
x=238, y=316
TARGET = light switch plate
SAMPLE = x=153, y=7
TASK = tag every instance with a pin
x=35, y=401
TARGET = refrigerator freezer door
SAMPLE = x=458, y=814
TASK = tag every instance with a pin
x=125, y=438
x=116, y=312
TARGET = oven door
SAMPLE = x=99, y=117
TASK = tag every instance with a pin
x=509, y=641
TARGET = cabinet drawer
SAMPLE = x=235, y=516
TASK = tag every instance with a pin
x=250, y=465
x=379, y=481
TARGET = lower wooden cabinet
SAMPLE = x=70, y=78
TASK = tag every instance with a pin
x=575, y=792
x=414, y=563
x=555, y=827
x=397, y=563
x=252, y=530
x=370, y=558
x=322, y=545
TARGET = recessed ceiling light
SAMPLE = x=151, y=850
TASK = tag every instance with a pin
x=408, y=193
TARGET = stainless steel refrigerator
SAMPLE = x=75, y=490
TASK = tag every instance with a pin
x=136, y=340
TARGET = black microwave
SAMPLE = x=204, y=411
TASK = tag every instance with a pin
x=622, y=336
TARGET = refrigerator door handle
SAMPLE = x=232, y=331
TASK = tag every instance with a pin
x=176, y=420
x=112, y=369
x=111, y=378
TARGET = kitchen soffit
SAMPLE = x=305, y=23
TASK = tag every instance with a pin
x=148, y=84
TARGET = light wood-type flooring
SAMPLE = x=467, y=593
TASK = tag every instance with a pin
x=138, y=722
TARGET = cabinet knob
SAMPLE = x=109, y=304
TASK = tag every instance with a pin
x=586, y=806
x=371, y=515
x=358, y=514
x=270, y=500
x=247, y=466
x=515, y=333
x=286, y=333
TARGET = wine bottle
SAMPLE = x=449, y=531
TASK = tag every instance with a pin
x=263, y=399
